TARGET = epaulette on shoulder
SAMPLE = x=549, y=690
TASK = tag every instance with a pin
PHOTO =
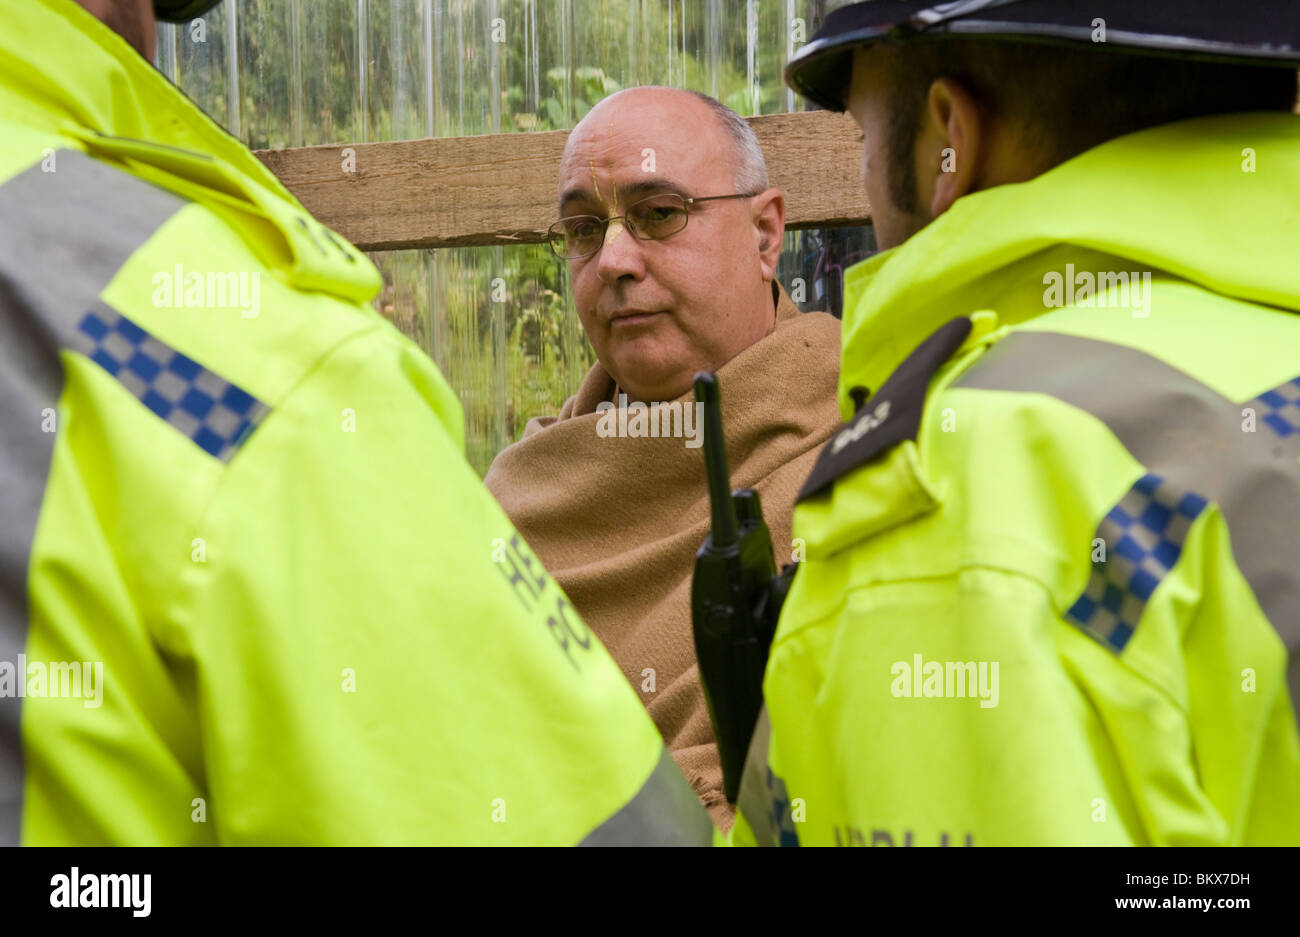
x=893, y=413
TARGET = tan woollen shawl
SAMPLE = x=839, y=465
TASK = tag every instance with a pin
x=617, y=521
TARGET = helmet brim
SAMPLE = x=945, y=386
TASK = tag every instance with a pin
x=1265, y=33
x=181, y=11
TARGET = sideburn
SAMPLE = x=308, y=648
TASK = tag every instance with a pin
x=904, y=128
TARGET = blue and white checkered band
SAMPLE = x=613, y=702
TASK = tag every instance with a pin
x=1279, y=408
x=1144, y=536
x=216, y=414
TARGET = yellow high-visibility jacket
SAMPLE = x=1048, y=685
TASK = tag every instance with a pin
x=1051, y=592
x=250, y=590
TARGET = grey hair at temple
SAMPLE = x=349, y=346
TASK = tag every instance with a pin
x=750, y=166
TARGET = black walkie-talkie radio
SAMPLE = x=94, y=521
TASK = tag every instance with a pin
x=736, y=598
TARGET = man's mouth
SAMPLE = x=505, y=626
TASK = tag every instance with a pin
x=629, y=318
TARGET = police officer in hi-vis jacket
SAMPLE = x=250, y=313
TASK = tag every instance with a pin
x=250, y=590
x=1051, y=592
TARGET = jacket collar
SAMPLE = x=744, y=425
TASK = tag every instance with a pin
x=74, y=70
x=1210, y=200
x=63, y=70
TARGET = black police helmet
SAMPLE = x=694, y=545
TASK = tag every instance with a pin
x=181, y=11
x=1253, y=32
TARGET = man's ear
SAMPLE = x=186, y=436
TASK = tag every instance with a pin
x=950, y=146
x=769, y=229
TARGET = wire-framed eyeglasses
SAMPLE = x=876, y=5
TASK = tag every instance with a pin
x=650, y=219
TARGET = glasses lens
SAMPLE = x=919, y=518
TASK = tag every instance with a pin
x=657, y=217
x=577, y=236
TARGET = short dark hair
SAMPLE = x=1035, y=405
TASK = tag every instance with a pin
x=1066, y=100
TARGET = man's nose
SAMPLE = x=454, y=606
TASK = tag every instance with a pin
x=620, y=256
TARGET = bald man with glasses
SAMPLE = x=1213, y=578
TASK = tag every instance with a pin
x=672, y=235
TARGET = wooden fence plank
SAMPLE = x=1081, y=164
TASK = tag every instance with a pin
x=501, y=188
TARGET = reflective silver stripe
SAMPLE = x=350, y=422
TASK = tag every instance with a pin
x=665, y=812
x=764, y=801
x=63, y=235
x=1187, y=433
x=66, y=233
